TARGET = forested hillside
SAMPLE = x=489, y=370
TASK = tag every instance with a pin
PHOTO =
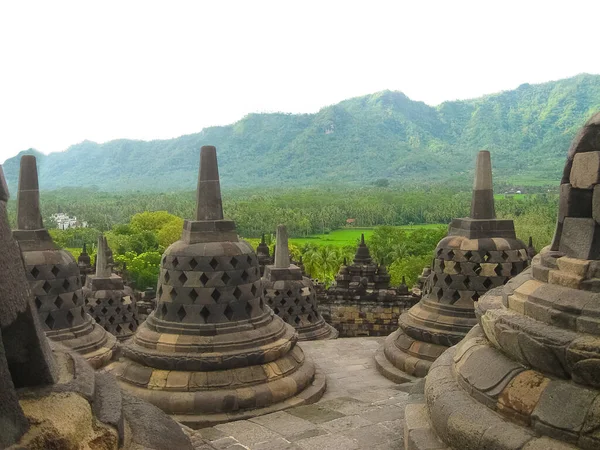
x=380, y=136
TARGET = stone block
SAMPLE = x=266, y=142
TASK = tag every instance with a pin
x=573, y=266
x=523, y=393
x=580, y=238
x=585, y=172
x=565, y=279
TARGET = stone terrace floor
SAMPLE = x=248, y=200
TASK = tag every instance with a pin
x=360, y=409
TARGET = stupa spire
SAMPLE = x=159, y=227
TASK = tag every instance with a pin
x=209, y=205
x=282, y=253
x=29, y=216
x=482, y=204
x=102, y=267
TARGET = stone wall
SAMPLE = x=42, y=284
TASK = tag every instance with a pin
x=364, y=318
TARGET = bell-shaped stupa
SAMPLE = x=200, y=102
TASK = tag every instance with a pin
x=50, y=397
x=107, y=300
x=54, y=278
x=213, y=351
x=263, y=255
x=479, y=253
x=292, y=296
x=528, y=376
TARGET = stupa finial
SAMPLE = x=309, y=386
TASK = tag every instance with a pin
x=102, y=268
x=482, y=204
x=84, y=249
x=262, y=239
x=209, y=205
x=362, y=238
x=29, y=216
x=282, y=252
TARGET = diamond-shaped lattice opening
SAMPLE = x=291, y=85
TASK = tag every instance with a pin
x=204, y=313
x=253, y=290
x=131, y=327
x=477, y=268
x=228, y=312
x=487, y=283
x=457, y=267
x=514, y=270
x=193, y=263
x=237, y=293
x=290, y=310
x=249, y=259
x=468, y=254
x=181, y=313
x=173, y=294
x=66, y=285
x=204, y=279
x=82, y=312
x=164, y=260
x=183, y=278
x=46, y=287
x=34, y=272
x=439, y=294
x=448, y=280
x=245, y=275
x=58, y=302
x=213, y=263
x=434, y=278
x=118, y=309
x=234, y=262
x=193, y=295
x=70, y=318
x=124, y=318
x=104, y=310
x=248, y=309
x=118, y=329
x=261, y=304
x=167, y=276
x=475, y=296
x=442, y=265
x=498, y=270
x=175, y=262
x=467, y=282
x=504, y=256
x=55, y=270
x=282, y=301
x=111, y=301
x=50, y=321
x=297, y=320
x=38, y=303
x=297, y=300
x=455, y=296
x=270, y=301
x=276, y=311
x=276, y=293
x=159, y=291
x=486, y=257
x=439, y=252
x=309, y=318
x=450, y=254
x=225, y=278
x=289, y=293
x=216, y=295
x=111, y=319
x=163, y=310
x=303, y=309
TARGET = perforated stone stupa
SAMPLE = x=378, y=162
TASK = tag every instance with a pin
x=478, y=254
x=51, y=398
x=528, y=376
x=54, y=278
x=263, y=255
x=363, y=279
x=213, y=351
x=84, y=262
x=107, y=300
x=292, y=296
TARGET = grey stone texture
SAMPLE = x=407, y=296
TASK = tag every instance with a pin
x=108, y=300
x=54, y=278
x=263, y=255
x=478, y=254
x=292, y=296
x=527, y=376
x=213, y=351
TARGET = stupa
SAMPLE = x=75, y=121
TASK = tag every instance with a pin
x=213, y=351
x=84, y=262
x=292, y=296
x=263, y=255
x=528, y=375
x=50, y=398
x=107, y=300
x=54, y=278
x=363, y=279
x=478, y=254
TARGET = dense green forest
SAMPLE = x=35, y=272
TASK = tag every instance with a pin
x=140, y=226
x=383, y=136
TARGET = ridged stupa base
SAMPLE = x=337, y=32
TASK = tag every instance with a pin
x=406, y=357
x=202, y=399
x=315, y=332
x=505, y=406
x=97, y=346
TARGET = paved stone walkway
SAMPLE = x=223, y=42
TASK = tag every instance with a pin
x=360, y=409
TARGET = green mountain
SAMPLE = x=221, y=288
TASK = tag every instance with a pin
x=360, y=140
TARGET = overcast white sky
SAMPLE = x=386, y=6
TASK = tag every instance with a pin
x=103, y=70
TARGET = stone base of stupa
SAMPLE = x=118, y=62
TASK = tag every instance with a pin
x=205, y=380
x=87, y=410
x=317, y=331
x=97, y=346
